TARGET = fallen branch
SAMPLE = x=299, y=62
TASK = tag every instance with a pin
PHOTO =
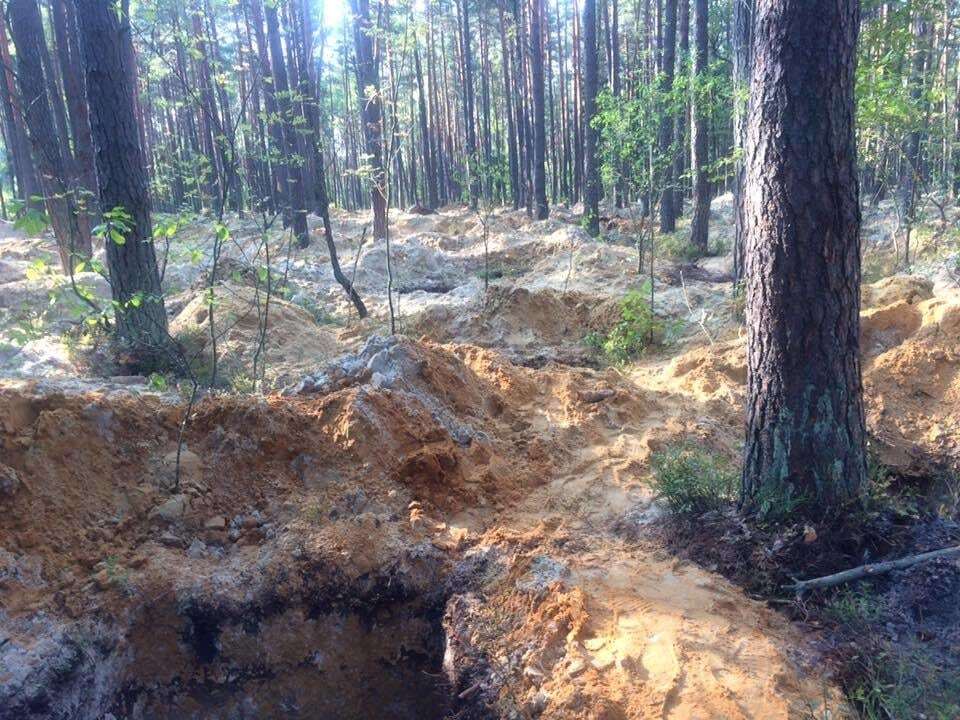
x=870, y=570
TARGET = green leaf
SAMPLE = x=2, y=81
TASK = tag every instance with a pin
x=117, y=236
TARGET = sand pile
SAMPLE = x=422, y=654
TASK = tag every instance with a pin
x=529, y=326
x=911, y=371
x=292, y=341
x=913, y=387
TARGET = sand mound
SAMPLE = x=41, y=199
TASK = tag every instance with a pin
x=908, y=288
x=530, y=326
x=293, y=342
x=712, y=372
x=913, y=388
x=911, y=373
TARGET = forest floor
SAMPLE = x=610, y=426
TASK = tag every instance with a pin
x=458, y=521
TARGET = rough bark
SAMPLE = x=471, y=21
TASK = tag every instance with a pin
x=141, y=321
x=805, y=418
x=68, y=54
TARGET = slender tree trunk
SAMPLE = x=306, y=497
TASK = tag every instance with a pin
x=68, y=53
x=741, y=35
x=294, y=190
x=541, y=210
x=681, y=140
x=371, y=113
x=429, y=176
x=17, y=143
x=956, y=136
x=698, y=132
x=468, y=114
x=591, y=191
x=73, y=240
x=511, y=119
x=805, y=419
x=668, y=217
x=121, y=168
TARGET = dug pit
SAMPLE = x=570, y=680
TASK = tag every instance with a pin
x=343, y=657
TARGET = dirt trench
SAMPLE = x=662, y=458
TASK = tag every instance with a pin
x=416, y=530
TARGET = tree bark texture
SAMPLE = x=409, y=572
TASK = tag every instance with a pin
x=122, y=179
x=805, y=418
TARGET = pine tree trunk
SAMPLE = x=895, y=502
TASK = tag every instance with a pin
x=294, y=190
x=699, y=123
x=371, y=113
x=141, y=321
x=541, y=209
x=429, y=176
x=591, y=190
x=68, y=53
x=741, y=35
x=16, y=140
x=73, y=240
x=468, y=117
x=805, y=418
x=512, y=157
x=668, y=217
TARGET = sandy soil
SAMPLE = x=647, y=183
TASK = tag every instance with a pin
x=493, y=464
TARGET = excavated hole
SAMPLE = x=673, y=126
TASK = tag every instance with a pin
x=287, y=661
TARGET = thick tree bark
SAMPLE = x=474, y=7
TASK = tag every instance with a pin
x=668, y=214
x=741, y=35
x=805, y=418
x=698, y=133
x=121, y=170
x=70, y=228
x=591, y=191
x=541, y=209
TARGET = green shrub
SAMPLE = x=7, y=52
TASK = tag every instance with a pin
x=677, y=246
x=158, y=382
x=638, y=329
x=691, y=479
